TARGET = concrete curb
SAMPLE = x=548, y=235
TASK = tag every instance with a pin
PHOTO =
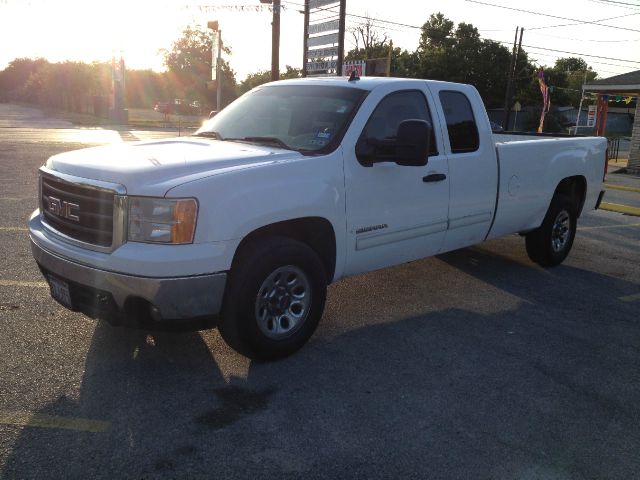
x=615, y=207
x=620, y=187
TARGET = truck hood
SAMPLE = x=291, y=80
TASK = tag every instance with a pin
x=154, y=167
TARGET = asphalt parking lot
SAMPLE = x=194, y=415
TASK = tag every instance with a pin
x=474, y=364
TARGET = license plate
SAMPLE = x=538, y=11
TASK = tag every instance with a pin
x=60, y=291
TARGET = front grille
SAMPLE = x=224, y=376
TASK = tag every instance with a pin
x=80, y=212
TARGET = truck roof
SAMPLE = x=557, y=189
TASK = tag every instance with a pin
x=364, y=83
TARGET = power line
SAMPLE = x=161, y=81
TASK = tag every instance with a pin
x=493, y=40
x=587, y=39
x=613, y=3
x=581, y=54
x=582, y=23
x=328, y=9
x=556, y=57
x=572, y=53
x=554, y=16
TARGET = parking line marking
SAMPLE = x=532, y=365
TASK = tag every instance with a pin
x=616, y=207
x=620, y=187
x=20, y=283
x=630, y=298
x=27, y=419
x=599, y=227
x=14, y=229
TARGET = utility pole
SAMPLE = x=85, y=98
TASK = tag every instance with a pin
x=305, y=41
x=219, y=73
x=508, y=96
x=216, y=61
x=581, y=100
x=275, y=38
x=275, y=41
x=341, y=30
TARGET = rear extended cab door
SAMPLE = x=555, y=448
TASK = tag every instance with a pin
x=473, y=168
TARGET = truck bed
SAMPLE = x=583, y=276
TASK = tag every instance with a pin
x=531, y=166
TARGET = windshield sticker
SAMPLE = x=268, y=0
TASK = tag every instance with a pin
x=324, y=134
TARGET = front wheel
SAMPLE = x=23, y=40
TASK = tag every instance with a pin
x=274, y=299
x=549, y=244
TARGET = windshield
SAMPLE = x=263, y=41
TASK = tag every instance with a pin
x=298, y=117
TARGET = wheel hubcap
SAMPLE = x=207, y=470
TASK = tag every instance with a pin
x=560, y=231
x=283, y=302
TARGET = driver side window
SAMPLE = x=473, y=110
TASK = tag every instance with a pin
x=394, y=109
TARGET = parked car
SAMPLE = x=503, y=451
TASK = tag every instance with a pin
x=496, y=127
x=295, y=185
x=162, y=107
x=179, y=106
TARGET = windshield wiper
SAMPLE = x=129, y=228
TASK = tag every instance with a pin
x=264, y=140
x=215, y=135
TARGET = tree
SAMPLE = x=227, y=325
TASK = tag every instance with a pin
x=460, y=55
x=405, y=64
x=371, y=39
x=264, y=76
x=15, y=76
x=189, y=62
x=576, y=73
x=66, y=86
x=436, y=33
x=144, y=88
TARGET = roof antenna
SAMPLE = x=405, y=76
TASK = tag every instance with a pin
x=354, y=76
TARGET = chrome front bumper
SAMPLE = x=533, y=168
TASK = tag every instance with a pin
x=173, y=298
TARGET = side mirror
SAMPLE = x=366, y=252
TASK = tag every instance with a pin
x=410, y=147
x=366, y=151
x=413, y=142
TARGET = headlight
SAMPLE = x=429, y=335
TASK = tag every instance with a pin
x=162, y=220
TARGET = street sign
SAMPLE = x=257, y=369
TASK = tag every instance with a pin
x=324, y=27
x=358, y=66
x=323, y=37
x=329, y=39
x=320, y=3
x=321, y=66
x=322, y=52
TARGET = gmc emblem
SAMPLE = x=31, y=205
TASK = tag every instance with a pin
x=64, y=209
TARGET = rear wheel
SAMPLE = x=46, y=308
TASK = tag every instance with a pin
x=274, y=299
x=549, y=244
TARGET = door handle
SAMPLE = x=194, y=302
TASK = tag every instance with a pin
x=434, y=177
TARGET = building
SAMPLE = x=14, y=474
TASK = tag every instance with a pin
x=625, y=85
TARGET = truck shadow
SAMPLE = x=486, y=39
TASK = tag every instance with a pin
x=535, y=391
x=577, y=294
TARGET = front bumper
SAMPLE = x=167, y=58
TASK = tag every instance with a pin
x=103, y=294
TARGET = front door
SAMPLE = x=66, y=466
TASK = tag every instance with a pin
x=395, y=213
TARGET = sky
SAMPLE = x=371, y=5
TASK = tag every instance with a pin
x=88, y=30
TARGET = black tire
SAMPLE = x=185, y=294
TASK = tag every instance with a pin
x=274, y=299
x=549, y=244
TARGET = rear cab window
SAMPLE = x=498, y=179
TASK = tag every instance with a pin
x=461, y=124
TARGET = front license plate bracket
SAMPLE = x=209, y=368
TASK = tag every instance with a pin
x=60, y=291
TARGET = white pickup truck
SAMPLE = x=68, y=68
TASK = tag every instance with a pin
x=295, y=185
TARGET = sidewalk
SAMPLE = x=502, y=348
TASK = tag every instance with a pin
x=622, y=190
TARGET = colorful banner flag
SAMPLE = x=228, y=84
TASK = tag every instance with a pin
x=546, y=99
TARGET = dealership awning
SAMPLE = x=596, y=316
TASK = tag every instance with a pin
x=625, y=85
